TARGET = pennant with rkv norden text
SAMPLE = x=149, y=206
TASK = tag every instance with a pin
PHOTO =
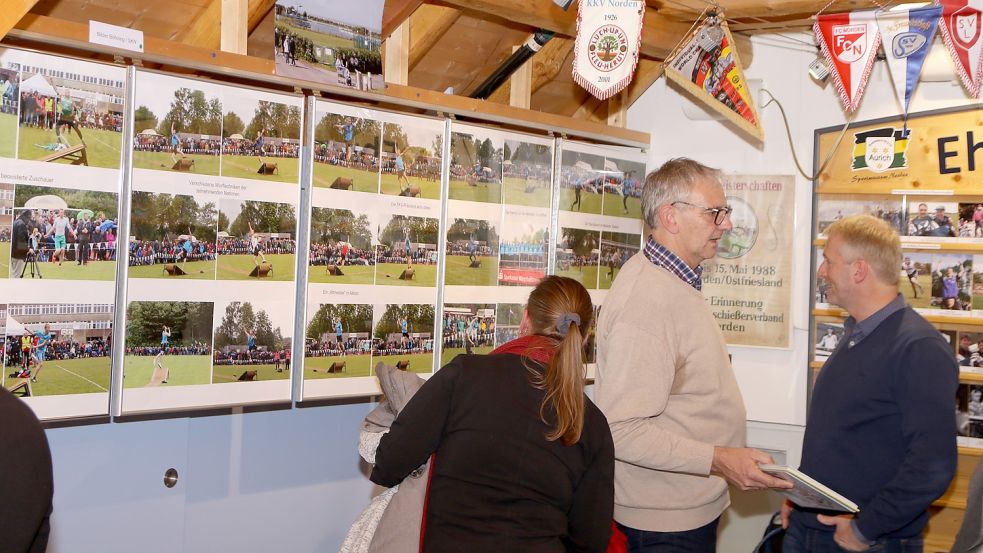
x=707, y=66
x=907, y=34
x=849, y=43
x=961, y=23
x=609, y=35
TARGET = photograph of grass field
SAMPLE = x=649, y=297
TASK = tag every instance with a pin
x=411, y=149
x=183, y=370
x=407, y=251
x=472, y=253
x=530, y=192
x=239, y=267
x=581, y=175
x=341, y=249
x=172, y=232
x=224, y=374
x=527, y=173
x=616, y=249
x=578, y=255
x=623, y=187
x=355, y=365
x=614, y=205
x=322, y=346
x=67, y=376
x=194, y=270
x=404, y=333
x=916, y=279
x=590, y=202
x=102, y=147
x=586, y=275
x=418, y=362
x=260, y=138
x=4, y=258
x=9, y=84
x=251, y=336
x=168, y=343
x=467, y=328
x=8, y=135
x=346, y=152
x=252, y=233
x=247, y=167
x=389, y=273
x=476, y=166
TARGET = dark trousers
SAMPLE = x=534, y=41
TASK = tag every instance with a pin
x=799, y=538
x=83, y=253
x=699, y=540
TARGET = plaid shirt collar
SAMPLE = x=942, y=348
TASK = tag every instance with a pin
x=660, y=256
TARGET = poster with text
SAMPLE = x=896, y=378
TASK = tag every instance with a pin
x=748, y=285
x=61, y=129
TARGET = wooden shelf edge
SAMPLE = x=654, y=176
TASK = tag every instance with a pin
x=937, y=319
x=939, y=245
x=36, y=29
x=971, y=451
x=952, y=503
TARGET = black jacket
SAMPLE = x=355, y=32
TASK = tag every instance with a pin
x=497, y=484
x=26, y=482
x=20, y=239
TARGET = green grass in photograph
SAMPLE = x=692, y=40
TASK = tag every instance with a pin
x=460, y=273
x=323, y=39
x=515, y=192
x=245, y=167
x=419, y=362
x=924, y=295
x=195, y=269
x=69, y=376
x=607, y=281
x=4, y=259
x=589, y=202
x=69, y=270
x=184, y=370
x=613, y=205
x=428, y=188
x=447, y=354
x=102, y=148
x=161, y=161
x=388, y=273
x=8, y=134
x=238, y=267
x=354, y=274
x=489, y=192
x=584, y=275
x=355, y=365
x=362, y=181
x=223, y=374
x=977, y=302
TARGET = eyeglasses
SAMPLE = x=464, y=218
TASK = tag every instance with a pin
x=719, y=213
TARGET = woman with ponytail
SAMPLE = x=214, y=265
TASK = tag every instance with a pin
x=524, y=461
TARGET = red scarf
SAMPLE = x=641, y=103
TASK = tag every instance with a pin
x=538, y=348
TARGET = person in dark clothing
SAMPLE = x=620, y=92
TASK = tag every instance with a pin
x=881, y=429
x=20, y=245
x=26, y=484
x=523, y=460
x=84, y=230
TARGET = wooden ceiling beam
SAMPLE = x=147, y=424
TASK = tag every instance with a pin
x=659, y=33
x=428, y=24
x=764, y=9
x=13, y=11
x=395, y=12
x=546, y=64
x=206, y=31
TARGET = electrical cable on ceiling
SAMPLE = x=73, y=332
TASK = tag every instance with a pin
x=791, y=142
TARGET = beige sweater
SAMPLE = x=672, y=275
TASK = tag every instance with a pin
x=666, y=386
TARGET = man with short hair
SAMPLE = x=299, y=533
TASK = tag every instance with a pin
x=83, y=233
x=943, y=223
x=881, y=428
x=922, y=224
x=59, y=228
x=664, y=379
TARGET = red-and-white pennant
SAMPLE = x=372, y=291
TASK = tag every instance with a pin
x=960, y=25
x=849, y=43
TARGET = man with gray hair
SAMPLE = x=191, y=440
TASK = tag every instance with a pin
x=664, y=379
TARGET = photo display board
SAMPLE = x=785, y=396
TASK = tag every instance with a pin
x=61, y=129
x=374, y=247
x=212, y=244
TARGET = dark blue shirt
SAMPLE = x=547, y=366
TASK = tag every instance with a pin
x=881, y=428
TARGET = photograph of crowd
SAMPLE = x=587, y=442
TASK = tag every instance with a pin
x=329, y=42
x=467, y=329
x=260, y=139
x=527, y=173
x=832, y=210
x=341, y=250
x=249, y=342
x=916, y=279
x=578, y=255
x=177, y=125
x=172, y=236
x=407, y=251
x=522, y=251
x=62, y=234
x=411, y=159
x=970, y=220
x=346, y=152
x=403, y=336
x=255, y=240
x=69, y=111
x=339, y=341
x=952, y=282
x=6, y=223
x=57, y=349
x=581, y=182
x=476, y=168
x=508, y=318
x=472, y=253
x=622, y=187
x=969, y=411
x=168, y=343
x=828, y=336
x=939, y=221
x=9, y=108
x=616, y=249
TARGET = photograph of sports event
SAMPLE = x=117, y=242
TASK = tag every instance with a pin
x=62, y=234
x=9, y=108
x=970, y=220
x=952, y=282
x=581, y=178
x=329, y=42
x=832, y=210
x=622, y=186
x=339, y=341
x=527, y=173
x=56, y=349
x=6, y=222
x=407, y=251
x=616, y=249
x=172, y=236
x=411, y=160
x=467, y=329
x=472, y=253
x=249, y=342
x=403, y=336
x=70, y=112
x=508, y=317
x=522, y=251
x=168, y=343
x=260, y=139
x=476, y=168
x=346, y=153
x=977, y=282
x=937, y=220
x=255, y=240
x=578, y=255
x=176, y=128
x=341, y=250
